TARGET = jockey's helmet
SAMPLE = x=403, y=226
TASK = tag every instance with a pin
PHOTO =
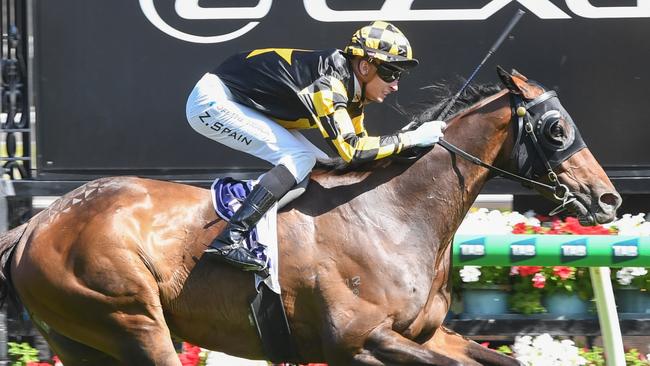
x=383, y=42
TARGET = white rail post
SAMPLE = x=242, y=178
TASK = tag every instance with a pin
x=607, y=316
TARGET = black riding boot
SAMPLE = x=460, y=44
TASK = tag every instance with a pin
x=229, y=245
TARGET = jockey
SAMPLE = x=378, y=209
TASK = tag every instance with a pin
x=253, y=99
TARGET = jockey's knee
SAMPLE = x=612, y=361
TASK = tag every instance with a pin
x=198, y=124
x=300, y=165
x=310, y=162
x=195, y=125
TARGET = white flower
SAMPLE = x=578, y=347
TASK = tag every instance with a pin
x=623, y=279
x=530, y=213
x=486, y=222
x=625, y=275
x=544, y=351
x=218, y=358
x=470, y=273
x=636, y=225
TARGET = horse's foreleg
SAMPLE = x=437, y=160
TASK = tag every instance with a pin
x=147, y=340
x=387, y=347
x=74, y=353
x=445, y=340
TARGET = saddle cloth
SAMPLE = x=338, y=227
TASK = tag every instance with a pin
x=227, y=196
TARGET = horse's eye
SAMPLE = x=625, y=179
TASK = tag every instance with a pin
x=556, y=131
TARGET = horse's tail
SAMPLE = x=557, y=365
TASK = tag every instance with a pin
x=8, y=242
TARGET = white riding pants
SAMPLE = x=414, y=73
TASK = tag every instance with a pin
x=212, y=112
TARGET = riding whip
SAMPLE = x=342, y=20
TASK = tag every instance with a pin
x=453, y=148
x=515, y=19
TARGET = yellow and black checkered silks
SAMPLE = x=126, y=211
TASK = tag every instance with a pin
x=341, y=122
x=382, y=41
x=302, y=89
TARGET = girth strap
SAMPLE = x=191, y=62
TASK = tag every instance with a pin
x=272, y=326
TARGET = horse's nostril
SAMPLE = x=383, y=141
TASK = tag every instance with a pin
x=612, y=200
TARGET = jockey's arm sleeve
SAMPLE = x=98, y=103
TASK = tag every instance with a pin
x=358, y=147
x=328, y=100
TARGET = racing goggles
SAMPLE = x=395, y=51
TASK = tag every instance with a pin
x=388, y=72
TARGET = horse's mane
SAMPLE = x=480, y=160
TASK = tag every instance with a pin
x=425, y=111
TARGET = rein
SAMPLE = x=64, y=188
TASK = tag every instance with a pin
x=504, y=173
x=559, y=191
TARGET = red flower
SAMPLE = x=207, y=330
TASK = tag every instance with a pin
x=486, y=344
x=528, y=270
x=190, y=355
x=539, y=281
x=188, y=359
x=57, y=361
x=570, y=225
x=519, y=228
x=563, y=272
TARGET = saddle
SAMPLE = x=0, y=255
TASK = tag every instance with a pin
x=227, y=195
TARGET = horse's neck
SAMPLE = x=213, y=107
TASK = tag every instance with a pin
x=445, y=185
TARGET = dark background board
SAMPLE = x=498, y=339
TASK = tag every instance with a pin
x=111, y=87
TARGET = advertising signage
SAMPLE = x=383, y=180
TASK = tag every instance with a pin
x=112, y=77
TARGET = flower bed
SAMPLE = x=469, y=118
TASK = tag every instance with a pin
x=531, y=285
x=544, y=350
x=23, y=354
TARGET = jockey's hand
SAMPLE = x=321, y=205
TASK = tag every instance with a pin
x=426, y=135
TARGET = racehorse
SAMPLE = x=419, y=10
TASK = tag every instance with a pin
x=112, y=271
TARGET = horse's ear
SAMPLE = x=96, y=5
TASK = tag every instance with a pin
x=516, y=83
x=506, y=78
x=519, y=75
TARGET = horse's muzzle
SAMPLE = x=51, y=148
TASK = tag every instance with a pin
x=593, y=213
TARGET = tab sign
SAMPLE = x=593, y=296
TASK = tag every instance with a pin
x=473, y=250
x=523, y=250
x=625, y=250
x=574, y=250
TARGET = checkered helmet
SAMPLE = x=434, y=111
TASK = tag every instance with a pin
x=384, y=42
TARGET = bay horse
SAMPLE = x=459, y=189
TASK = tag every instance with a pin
x=112, y=271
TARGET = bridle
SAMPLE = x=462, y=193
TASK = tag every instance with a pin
x=531, y=122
